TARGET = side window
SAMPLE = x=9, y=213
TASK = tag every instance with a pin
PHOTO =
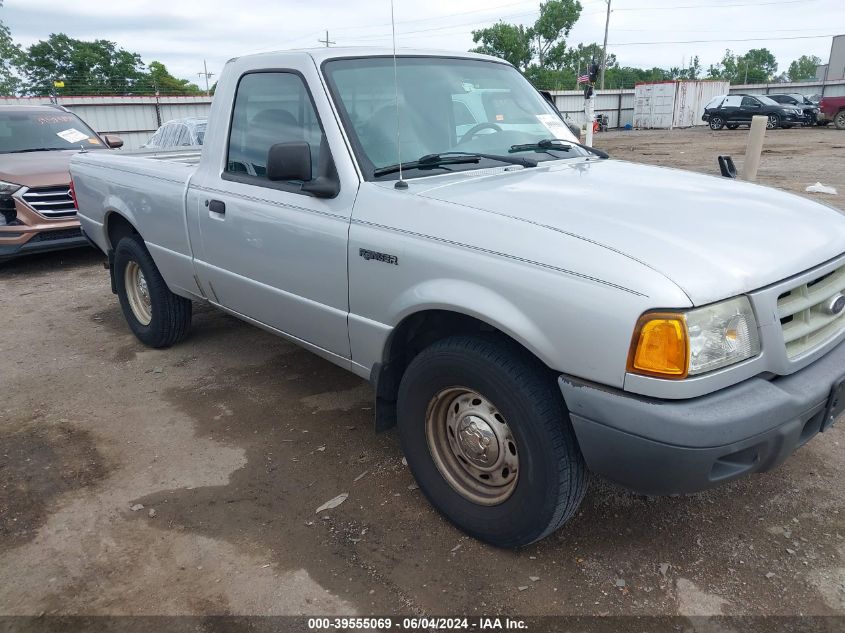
x=183, y=137
x=270, y=108
x=731, y=102
x=749, y=101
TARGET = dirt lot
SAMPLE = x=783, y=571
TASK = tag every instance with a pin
x=231, y=440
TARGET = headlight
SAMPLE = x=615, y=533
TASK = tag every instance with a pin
x=680, y=344
x=8, y=188
x=7, y=205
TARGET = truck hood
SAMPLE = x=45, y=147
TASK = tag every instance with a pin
x=712, y=236
x=36, y=169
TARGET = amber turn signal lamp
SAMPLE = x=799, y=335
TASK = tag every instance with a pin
x=660, y=346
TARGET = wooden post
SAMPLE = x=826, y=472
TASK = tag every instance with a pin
x=754, y=148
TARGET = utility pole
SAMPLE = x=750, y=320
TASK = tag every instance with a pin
x=327, y=41
x=207, y=75
x=604, y=48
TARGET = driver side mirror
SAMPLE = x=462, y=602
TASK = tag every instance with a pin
x=548, y=97
x=113, y=141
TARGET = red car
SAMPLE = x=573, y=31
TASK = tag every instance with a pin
x=833, y=109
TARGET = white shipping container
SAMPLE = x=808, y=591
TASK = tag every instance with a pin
x=670, y=104
x=654, y=105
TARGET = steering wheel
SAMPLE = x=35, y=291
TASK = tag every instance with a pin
x=475, y=129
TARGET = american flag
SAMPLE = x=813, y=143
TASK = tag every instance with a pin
x=584, y=79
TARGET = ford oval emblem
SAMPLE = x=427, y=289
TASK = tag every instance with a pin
x=836, y=305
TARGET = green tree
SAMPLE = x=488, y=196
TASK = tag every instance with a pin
x=10, y=58
x=97, y=67
x=803, y=68
x=158, y=78
x=544, y=41
x=511, y=42
x=557, y=17
x=757, y=66
x=578, y=58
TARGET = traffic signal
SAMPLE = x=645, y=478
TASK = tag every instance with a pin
x=593, y=71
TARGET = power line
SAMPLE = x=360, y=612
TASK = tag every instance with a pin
x=207, y=76
x=718, y=6
x=743, y=39
x=327, y=41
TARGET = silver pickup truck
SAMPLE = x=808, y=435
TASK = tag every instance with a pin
x=526, y=310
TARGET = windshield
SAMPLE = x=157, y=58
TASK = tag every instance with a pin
x=766, y=100
x=41, y=131
x=445, y=105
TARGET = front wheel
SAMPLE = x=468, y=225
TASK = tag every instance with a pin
x=155, y=315
x=487, y=436
x=716, y=123
x=773, y=122
x=839, y=120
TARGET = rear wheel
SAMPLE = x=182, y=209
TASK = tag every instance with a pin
x=733, y=126
x=716, y=123
x=773, y=122
x=488, y=438
x=155, y=315
x=839, y=120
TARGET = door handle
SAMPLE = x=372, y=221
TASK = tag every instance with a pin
x=216, y=206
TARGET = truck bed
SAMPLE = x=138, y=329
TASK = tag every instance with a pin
x=137, y=185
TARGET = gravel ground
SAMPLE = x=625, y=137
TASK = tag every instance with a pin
x=185, y=481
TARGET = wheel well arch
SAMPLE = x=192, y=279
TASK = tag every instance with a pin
x=118, y=227
x=412, y=335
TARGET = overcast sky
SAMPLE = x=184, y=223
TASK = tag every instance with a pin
x=182, y=33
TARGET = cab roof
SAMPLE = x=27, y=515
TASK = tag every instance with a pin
x=319, y=55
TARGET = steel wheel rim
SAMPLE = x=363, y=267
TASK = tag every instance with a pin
x=715, y=123
x=472, y=446
x=840, y=119
x=138, y=293
x=772, y=122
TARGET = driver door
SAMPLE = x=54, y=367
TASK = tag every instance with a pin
x=750, y=107
x=270, y=251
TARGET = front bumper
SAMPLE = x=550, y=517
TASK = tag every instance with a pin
x=43, y=242
x=681, y=446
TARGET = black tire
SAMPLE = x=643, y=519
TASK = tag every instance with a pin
x=716, y=122
x=552, y=478
x=823, y=123
x=839, y=120
x=733, y=126
x=170, y=313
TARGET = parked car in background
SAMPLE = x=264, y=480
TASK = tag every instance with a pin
x=810, y=109
x=188, y=132
x=731, y=111
x=37, y=212
x=833, y=109
x=525, y=309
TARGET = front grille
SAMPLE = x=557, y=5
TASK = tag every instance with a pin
x=806, y=316
x=51, y=202
x=64, y=234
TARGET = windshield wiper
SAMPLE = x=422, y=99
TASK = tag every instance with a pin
x=36, y=149
x=558, y=144
x=432, y=161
